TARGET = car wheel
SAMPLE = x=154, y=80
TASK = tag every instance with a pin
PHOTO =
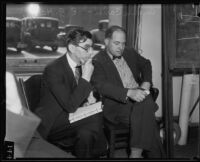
x=54, y=48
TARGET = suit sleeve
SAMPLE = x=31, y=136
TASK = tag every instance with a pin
x=106, y=88
x=68, y=98
x=145, y=68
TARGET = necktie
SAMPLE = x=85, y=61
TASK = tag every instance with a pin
x=125, y=73
x=116, y=57
x=78, y=73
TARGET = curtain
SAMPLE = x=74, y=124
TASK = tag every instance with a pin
x=131, y=22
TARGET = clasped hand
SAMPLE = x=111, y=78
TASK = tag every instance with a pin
x=137, y=94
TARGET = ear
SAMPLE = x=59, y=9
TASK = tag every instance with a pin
x=106, y=41
x=71, y=48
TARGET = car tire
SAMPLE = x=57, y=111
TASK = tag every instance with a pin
x=54, y=48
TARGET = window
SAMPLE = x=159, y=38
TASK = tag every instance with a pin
x=33, y=59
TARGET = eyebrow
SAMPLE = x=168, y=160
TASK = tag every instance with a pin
x=118, y=42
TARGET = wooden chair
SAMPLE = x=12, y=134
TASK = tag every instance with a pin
x=118, y=135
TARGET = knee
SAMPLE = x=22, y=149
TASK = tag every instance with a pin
x=150, y=105
x=147, y=106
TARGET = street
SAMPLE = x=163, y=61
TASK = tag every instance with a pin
x=45, y=52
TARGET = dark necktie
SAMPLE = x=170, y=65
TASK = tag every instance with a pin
x=78, y=73
x=116, y=57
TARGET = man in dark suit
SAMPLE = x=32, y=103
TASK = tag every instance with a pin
x=124, y=78
x=63, y=91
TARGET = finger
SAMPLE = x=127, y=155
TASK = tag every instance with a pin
x=143, y=93
x=89, y=61
x=142, y=97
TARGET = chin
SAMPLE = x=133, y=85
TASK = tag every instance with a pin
x=83, y=62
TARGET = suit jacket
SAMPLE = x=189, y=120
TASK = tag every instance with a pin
x=59, y=94
x=107, y=81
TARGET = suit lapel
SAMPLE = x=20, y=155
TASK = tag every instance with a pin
x=129, y=58
x=68, y=71
x=110, y=66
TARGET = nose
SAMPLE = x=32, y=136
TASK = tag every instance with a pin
x=121, y=46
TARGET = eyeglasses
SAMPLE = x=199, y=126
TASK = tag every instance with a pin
x=86, y=49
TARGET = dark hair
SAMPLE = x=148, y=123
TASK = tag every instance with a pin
x=112, y=29
x=77, y=36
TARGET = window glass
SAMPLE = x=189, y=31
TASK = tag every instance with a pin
x=40, y=45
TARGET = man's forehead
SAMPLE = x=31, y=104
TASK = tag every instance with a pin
x=118, y=33
x=119, y=36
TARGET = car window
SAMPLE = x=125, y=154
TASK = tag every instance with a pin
x=7, y=24
x=42, y=25
x=40, y=47
x=35, y=26
x=49, y=25
x=12, y=24
x=29, y=24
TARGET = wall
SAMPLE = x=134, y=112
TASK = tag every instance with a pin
x=150, y=44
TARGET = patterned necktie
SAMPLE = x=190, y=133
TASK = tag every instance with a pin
x=78, y=73
x=125, y=73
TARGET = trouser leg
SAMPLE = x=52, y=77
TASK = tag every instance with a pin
x=85, y=135
x=84, y=143
x=142, y=123
x=91, y=141
x=157, y=149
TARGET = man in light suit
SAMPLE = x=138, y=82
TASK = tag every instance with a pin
x=63, y=91
x=124, y=78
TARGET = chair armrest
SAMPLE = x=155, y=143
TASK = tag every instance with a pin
x=154, y=92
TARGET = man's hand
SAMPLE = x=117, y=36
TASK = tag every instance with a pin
x=137, y=94
x=145, y=85
x=87, y=70
x=90, y=100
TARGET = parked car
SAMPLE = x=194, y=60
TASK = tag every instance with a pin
x=65, y=31
x=40, y=31
x=13, y=33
